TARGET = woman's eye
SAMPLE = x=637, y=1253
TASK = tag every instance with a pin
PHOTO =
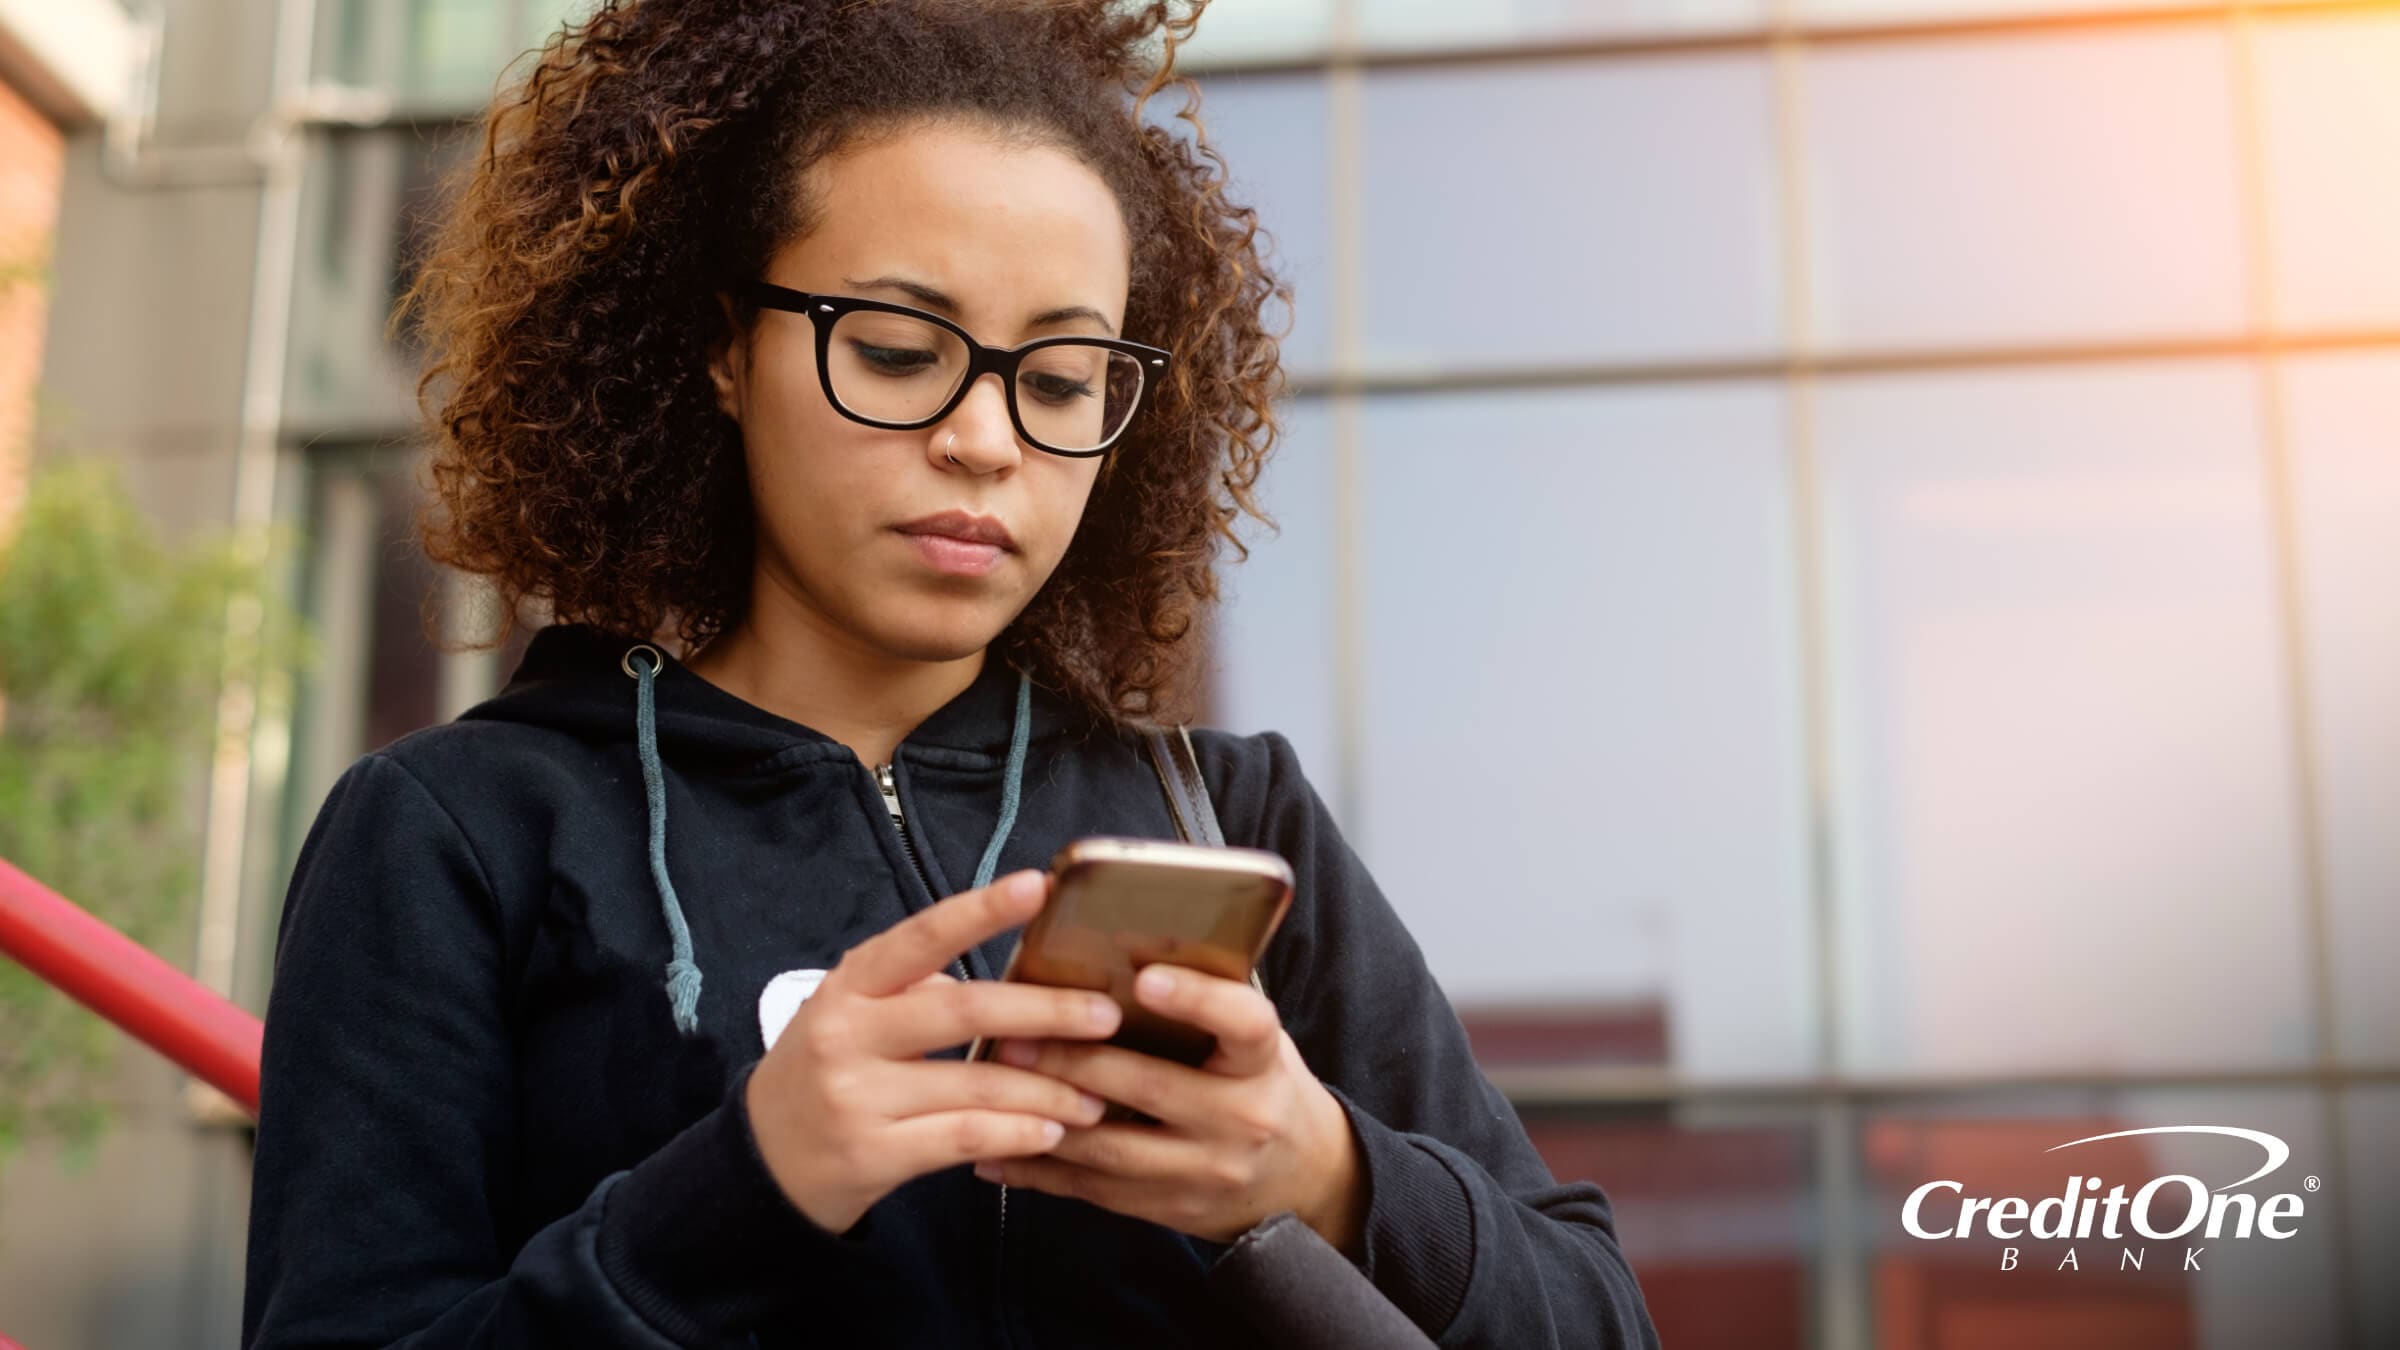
x=896, y=360
x=1053, y=389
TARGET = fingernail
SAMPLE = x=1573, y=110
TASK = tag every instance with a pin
x=1093, y=1106
x=989, y=1171
x=1156, y=982
x=1101, y=1012
x=1052, y=1132
x=1024, y=885
x=1018, y=1053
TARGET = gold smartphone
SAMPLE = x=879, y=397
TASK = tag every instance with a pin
x=1118, y=904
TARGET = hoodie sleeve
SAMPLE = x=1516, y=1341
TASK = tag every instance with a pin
x=1466, y=1229
x=387, y=1129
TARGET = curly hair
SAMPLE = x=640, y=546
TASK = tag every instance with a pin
x=656, y=151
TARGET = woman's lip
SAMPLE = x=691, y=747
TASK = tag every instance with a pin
x=955, y=556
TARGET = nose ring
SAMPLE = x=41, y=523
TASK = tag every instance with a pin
x=946, y=448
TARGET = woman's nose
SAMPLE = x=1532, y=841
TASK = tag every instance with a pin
x=977, y=434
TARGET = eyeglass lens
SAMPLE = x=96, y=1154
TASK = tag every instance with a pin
x=893, y=368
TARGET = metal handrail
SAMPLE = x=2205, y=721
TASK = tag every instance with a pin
x=123, y=981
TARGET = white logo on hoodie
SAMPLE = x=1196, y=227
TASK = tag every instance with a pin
x=780, y=1001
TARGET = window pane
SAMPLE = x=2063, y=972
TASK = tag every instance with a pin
x=1275, y=639
x=1250, y=30
x=379, y=674
x=438, y=53
x=456, y=49
x=2329, y=104
x=1272, y=132
x=2061, y=726
x=1534, y=213
x=1950, y=1291
x=1870, y=11
x=2022, y=188
x=1581, y=781
x=364, y=217
x=1446, y=22
x=2345, y=441
x=541, y=18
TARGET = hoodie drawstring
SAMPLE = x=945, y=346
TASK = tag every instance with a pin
x=1010, y=784
x=683, y=973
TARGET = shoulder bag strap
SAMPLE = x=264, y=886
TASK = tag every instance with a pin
x=1178, y=768
x=1187, y=792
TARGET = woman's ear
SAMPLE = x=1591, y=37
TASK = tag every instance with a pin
x=728, y=356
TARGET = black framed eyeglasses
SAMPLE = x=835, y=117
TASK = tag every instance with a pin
x=901, y=369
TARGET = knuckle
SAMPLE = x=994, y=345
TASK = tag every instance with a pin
x=960, y=1000
x=988, y=1090
x=973, y=1134
x=838, y=1106
x=1251, y=1127
x=825, y=1031
x=842, y=1088
x=1147, y=1087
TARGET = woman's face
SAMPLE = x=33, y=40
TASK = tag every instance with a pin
x=989, y=235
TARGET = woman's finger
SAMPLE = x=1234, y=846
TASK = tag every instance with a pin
x=1135, y=1152
x=1161, y=1088
x=1249, y=1032
x=929, y=1018
x=938, y=1139
x=929, y=939
x=937, y=1085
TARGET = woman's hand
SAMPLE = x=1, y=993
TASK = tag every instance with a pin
x=846, y=1107
x=1247, y=1134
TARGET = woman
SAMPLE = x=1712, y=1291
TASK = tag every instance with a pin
x=881, y=355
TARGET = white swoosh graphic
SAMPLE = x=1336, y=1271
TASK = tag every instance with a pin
x=2277, y=1151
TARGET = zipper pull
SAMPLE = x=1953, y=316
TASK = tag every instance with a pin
x=890, y=790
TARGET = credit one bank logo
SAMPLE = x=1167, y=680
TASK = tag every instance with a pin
x=2172, y=1208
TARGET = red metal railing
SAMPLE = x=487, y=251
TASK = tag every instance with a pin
x=122, y=981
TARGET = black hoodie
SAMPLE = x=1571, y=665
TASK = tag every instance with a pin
x=482, y=1126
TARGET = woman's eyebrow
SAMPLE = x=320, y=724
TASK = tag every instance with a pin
x=937, y=300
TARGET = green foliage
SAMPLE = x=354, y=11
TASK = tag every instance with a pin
x=112, y=646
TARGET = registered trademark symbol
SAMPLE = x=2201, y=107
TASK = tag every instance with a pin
x=2312, y=1183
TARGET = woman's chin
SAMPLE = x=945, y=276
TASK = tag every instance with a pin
x=948, y=628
